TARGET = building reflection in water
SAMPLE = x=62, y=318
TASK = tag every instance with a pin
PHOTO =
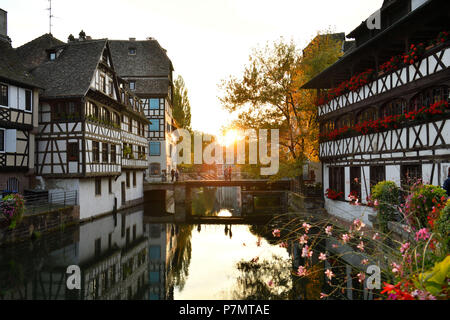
x=111, y=253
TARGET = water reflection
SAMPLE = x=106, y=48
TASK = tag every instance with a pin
x=121, y=257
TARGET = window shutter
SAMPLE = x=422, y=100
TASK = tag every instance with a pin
x=10, y=140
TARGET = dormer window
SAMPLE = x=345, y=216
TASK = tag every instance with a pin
x=133, y=85
x=52, y=56
x=132, y=51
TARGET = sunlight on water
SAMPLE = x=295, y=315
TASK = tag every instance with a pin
x=213, y=272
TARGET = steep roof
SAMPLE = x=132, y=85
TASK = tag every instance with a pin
x=150, y=59
x=34, y=53
x=12, y=69
x=70, y=74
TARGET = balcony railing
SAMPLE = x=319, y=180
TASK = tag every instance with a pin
x=435, y=60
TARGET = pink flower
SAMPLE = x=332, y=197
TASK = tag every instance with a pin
x=322, y=256
x=422, y=234
x=301, y=271
x=404, y=247
x=283, y=245
x=323, y=295
x=306, y=226
x=306, y=253
x=358, y=224
x=329, y=274
x=361, y=277
x=303, y=239
x=334, y=246
x=270, y=283
x=365, y=261
x=345, y=238
x=395, y=267
x=376, y=236
x=276, y=233
x=328, y=230
x=360, y=246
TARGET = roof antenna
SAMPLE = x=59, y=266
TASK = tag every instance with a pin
x=50, y=16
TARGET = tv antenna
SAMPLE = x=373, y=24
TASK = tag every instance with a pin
x=50, y=16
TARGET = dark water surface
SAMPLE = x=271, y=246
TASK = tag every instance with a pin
x=125, y=257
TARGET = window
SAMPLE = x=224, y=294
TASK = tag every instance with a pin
x=2, y=140
x=111, y=88
x=154, y=104
x=377, y=174
x=102, y=83
x=132, y=51
x=132, y=85
x=355, y=181
x=345, y=121
x=104, y=152
x=429, y=96
x=98, y=186
x=154, y=125
x=155, y=169
x=52, y=56
x=134, y=232
x=95, y=152
x=28, y=100
x=134, y=178
x=3, y=95
x=410, y=174
x=155, y=253
x=337, y=180
x=128, y=179
x=155, y=148
x=393, y=108
x=130, y=125
x=113, y=153
x=110, y=185
x=72, y=151
x=367, y=115
x=327, y=126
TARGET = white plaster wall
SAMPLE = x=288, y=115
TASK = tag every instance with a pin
x=365, y=183
x=348, y=212
x=393, y=174
x=347, y=182
x=101, y=228
x=326, y=173
x=91, y=204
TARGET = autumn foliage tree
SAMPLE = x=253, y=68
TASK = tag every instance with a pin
x=268, y=95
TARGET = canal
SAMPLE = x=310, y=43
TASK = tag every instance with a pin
x=129, y=256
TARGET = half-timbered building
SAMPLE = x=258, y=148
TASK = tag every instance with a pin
x=91, y=128
x=18, y=117
x=383, y=106
x=148, y=70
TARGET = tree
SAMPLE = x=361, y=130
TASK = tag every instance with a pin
x=181, y=105
x=268, y=96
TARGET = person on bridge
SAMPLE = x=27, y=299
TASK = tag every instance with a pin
x=176, y=175
x=172, y=174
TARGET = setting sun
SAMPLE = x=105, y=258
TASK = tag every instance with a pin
x=230, y=137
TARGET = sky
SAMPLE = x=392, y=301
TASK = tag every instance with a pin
x=207, y=40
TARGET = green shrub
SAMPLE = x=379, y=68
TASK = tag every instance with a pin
x=420, y=203
x=386, y=196
x=443, y=227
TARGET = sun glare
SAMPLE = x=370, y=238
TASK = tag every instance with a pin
x=230, y=137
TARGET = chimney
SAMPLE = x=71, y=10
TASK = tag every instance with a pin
x=132, y=39
x=4, y=26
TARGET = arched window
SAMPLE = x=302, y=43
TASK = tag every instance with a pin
x=393, y=108
x=327, y=127
x=345, y=121
x=428, y=97
x=368, y=114
x=107, y=116
x=95, y=111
